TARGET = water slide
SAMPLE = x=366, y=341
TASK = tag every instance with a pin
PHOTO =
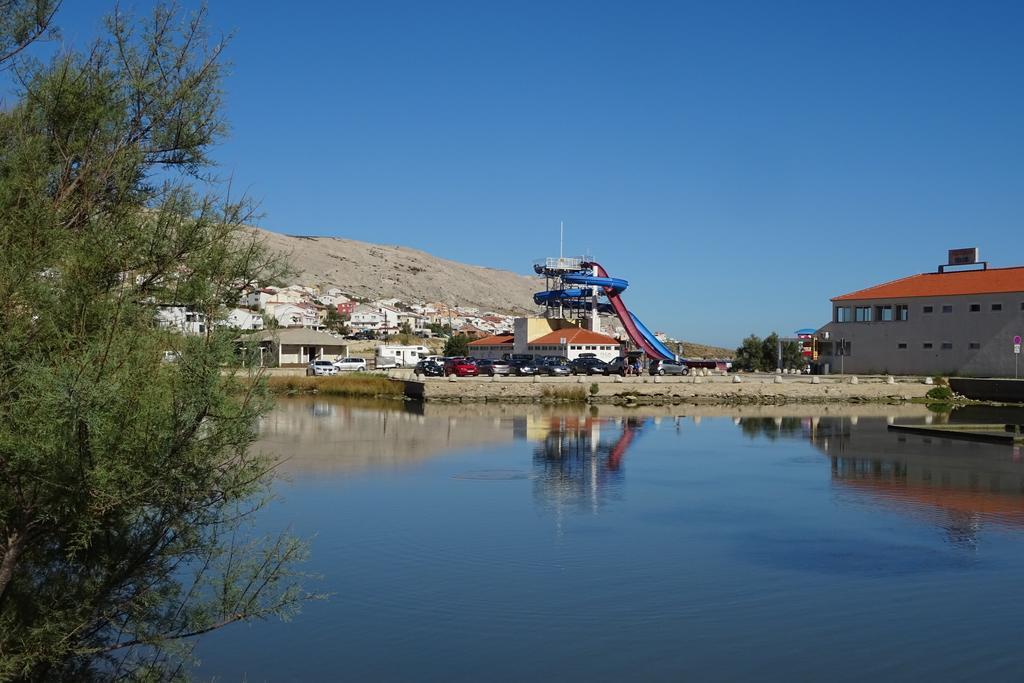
x=612, y=286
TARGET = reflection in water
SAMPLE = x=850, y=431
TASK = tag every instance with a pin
x=957, y=485
x=771, y=427
x=578, y=462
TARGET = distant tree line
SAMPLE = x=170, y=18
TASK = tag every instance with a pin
x=756, y=354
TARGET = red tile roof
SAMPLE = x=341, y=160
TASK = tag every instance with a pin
x=493, y=340
x=575, y=336
x=964, y=282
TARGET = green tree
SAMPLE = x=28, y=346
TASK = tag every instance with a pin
x=336, y=322
x=123, y=478
x=750, y=354
x=457, y=345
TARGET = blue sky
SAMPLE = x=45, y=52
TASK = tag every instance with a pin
x=738, y=162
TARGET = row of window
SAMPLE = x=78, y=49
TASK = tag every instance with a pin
x=897, y=312
x=945, y=345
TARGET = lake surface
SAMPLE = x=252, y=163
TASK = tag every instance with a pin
x=598, y=544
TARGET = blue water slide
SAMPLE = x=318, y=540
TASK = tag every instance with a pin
x=637, y=331
x=541, y=298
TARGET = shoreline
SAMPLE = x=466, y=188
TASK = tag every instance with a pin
x=702, y=390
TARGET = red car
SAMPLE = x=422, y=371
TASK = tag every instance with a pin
x=460, y=367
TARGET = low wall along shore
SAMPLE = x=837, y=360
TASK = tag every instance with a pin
x=764, y=389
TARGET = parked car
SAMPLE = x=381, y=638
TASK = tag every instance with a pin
x=362, y=335
x=486, y=366
x=522, y=367
x=321, y=367
x=588, y=366
x=428, y=368
x=668, y=367
x=553, y=366
x=350, y=364
x=618, y=366
x=460, y=367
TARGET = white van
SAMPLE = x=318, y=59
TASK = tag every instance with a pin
x=394, y=356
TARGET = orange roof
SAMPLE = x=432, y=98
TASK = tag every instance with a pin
x=964, y=282
x=575, y=335
x=493, y=340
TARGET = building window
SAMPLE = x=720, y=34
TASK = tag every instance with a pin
x=902, y=312
x=901, y=345
x=926, y=345
x=862, y=314
x=974, y=345
x=927, y=309
x=948, y=308
x=975, y=308
x=885, y=313
x=843, y=314
x=997, y=307
x=947, y=345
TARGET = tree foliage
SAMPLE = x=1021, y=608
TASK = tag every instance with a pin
x=123, y=479
x=756, y=354
x=456, y=345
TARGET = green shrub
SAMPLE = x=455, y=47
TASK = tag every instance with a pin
x=594, y=388
x=942, y=394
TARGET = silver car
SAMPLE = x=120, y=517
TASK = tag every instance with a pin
x=321, y=367
x=486, y=366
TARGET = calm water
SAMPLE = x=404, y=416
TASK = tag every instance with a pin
x=489, y=543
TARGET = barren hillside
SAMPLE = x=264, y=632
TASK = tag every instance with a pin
x=377, y=271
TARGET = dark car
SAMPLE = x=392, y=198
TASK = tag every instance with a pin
x=618, y=366
x=588, y=366
x=553, y=366
x=428, y=368
x=460, y=367
x=522, y=367
x=486, y=366
x=668, y=367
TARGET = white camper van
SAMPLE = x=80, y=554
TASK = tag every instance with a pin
x=394, y=356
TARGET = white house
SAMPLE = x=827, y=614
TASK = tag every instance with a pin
x=294, y=315
x=242, y=319
x=181, y=318
x=365, y=317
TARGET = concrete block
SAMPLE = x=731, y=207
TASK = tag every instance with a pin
x=778, y=379
x=815, y=379
x=854, y=380
x=890, y=380
x=452, y=378
x=736, y=379
x=778, y=371
x=929, y=380
x=618, y=379
x=657, y=380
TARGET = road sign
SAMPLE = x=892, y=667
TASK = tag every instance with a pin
x=1016, y=348
x=1016, y=339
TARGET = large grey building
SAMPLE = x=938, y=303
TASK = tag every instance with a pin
x=961, y=322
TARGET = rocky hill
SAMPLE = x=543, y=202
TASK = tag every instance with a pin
x=377, y=271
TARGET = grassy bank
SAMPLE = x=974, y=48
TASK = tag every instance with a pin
x=357, y=384
x=566, y=394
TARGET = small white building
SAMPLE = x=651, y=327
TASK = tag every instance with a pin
x=296, y=347
x=182, y=319
x=294, y=315
x=243, y=319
